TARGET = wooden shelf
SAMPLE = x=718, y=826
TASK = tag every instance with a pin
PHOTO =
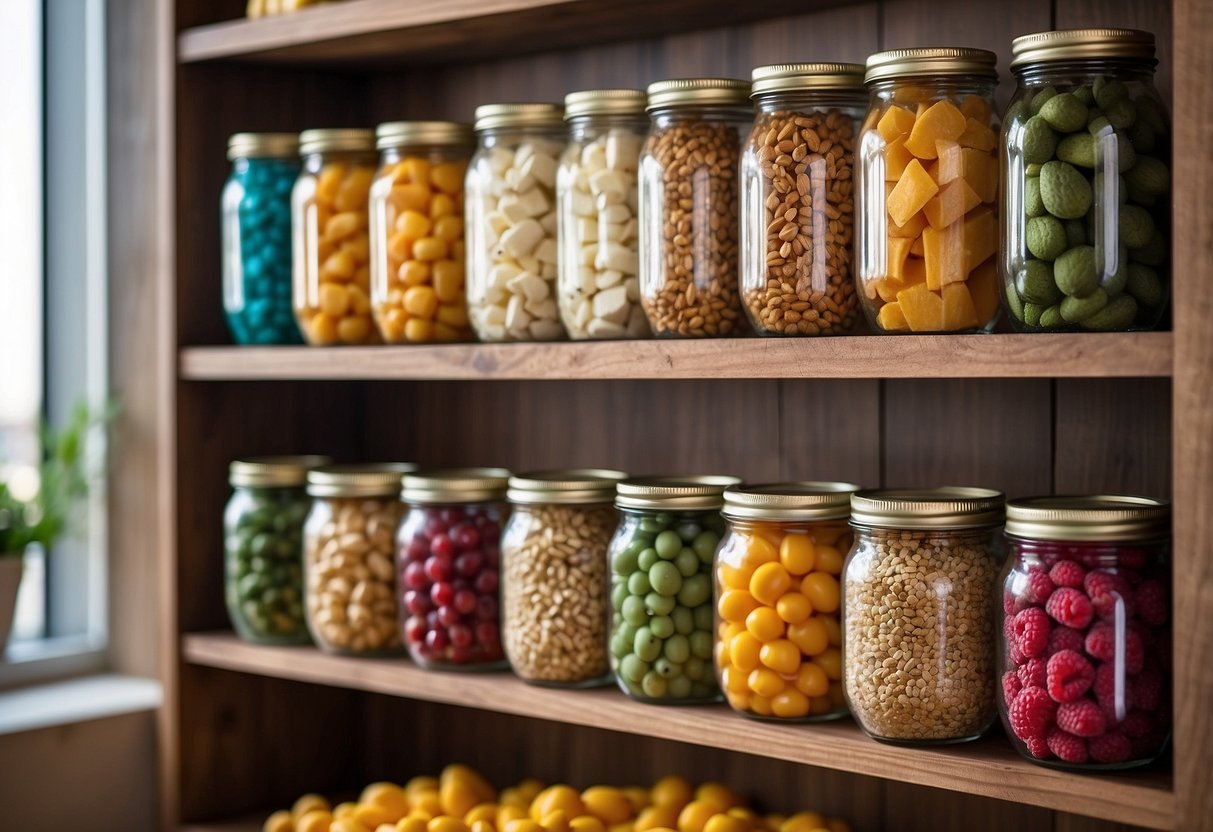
x=990, y=768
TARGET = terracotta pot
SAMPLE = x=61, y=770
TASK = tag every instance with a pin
x=10, y=578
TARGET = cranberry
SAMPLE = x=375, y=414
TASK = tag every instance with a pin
x=465, y=536
x=417, y=548
x=486, y=609
x=415, y=577
x=459, y=655
x=438, y=569
x=448, y=616
x=442, y=594
x=415, y=629
x=486, y=634
x=417, y=602
x=486, y=582
x=461, y=635
x=492, y=555
x=489, y=530
x=451, y=515
x=431, y=619
x=432, y=527
x=465, y=601
x=469, y=563
x=442, y=546
x=436, y=640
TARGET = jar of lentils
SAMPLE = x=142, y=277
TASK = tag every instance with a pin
x=1085, y=653
x=263, y=542
x=596, y=193
x=554, y=591
x=661, y=587
x=798, y=200
x=448, y=554
x=329, y=233
x=416, y=231
x=511, y=222
x=347, y=557
x=928, y=192
x=778, y=628
x=918, y=625
x=688, y=206
x=257, y=238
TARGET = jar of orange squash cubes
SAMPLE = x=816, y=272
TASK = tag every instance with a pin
x=927, y=235
x=779, y=636
x=332, y=283
x=416, y=214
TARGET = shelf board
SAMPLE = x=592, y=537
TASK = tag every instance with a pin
x=989, y=768
x=866, y=356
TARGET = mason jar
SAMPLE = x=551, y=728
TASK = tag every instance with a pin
x=918, y=613
x=661, y=587
x=263, y=547
x=598, y=235
x=778, y=599
x=329, y=237
x=798, y=199
x=554, y=591
x=928, y=192
x=688, y=206
x=1085, y=652
x=448, y=555
x=416, y=231
x=256, y=223
x=1087, y=153
x=511, y=222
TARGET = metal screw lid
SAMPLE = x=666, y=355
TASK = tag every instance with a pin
x=1078, y=44
x=400, y=133
x=568, y=486
x=807, y=500
x=274, y=471
x=936, y=61
x=378, y=479
x=1098, y=517
x=697, y=91
x=349, y=139
x=455, y=485
x=928, y=508
x=795, y=77
x=697, y=492
x=263, y=146
x=604, y=103
x=492, y=116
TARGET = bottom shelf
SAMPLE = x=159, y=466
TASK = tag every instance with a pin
x=989, y=768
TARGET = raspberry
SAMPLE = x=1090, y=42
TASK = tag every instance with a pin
x=1082, y=718
x=1034, y=672
x=1146, y=690
x=1110, y=748
x=1101, y=644
x=1106, y=591
x=1067, y=573
x=1038, y=748
x=1008, y=603
x=1039, y=586
x=1070, y=676
x=1070, y=607
x=1114, y=707
x=1064, y=638
x=1008, y=626
x=1032, y=631
x=1011, y=686
x=1031, y=714
x=1137, y=724
x=1128, y=558
x=1151, y=602
x=1016, y=655
x=1067, y=747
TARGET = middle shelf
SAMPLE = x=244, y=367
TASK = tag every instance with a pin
x=989, y=768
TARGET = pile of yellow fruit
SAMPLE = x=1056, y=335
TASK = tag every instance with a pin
x=460, y=800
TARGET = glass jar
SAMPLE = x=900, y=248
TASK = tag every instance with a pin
x=416, y=235
x=448, y=555
x=596, y=195
x=347, y=557
x=688, y=206
x=263, y=547
x=256, y=223
x=554, y=578
x=918, y=613
x=778, y=629
x=798, y=200
x=511, y=222
x=1085, y=654
x=329, y=234
x=928, y=192
x=1087, y=155
x=661, y=587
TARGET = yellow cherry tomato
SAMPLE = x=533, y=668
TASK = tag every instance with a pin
x=523, y=825
x=803, y=822
x=509, y=812
x=765, y=682
x=764, y=624
x=732, y=680
x=829, y=560
x=822, y=590
x=387, y=796
x=796, y=553
x=556, y=821
x=810, y=636
x=607, y=804
x=308, y=803
x=758, y=551
x=529, y=789
x=420, y=784
x=557, y=798
x=761, y=705
x=793, y=607
x=319, y=820
x=428, y=802
x=780, y=655
x=348, y=824
x=726, y=823
x=719, y=794
x=446, y=823
x=482, y=826
x=586, y=823
x=833, y=630
x=410, y=823
x=790, y=703
x=811, y=680
x=838, y=825
x=695, y=814
x=673, y=789
x=769, y=582
x=658, y=816
x=736, y=604
x=344, y=810
x=280, y=821
x=484, y=811
x=743, y=653
x=738, y=701
x=638, y=796
x=373, y=816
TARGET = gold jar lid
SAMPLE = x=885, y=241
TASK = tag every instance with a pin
x=401, y=133
x=807, y=500
x=1082, y=44
x=797, y=77
x=936, y=61
x=1099, y=517
x=569, y=486
x=928, y=508
x=682, y=92
x=456, y=485
x=492, y=116
x=604, y=103
x=695, y=492
x=274, y=471
x=263, y=146
x=377, y=479
x=347, y=139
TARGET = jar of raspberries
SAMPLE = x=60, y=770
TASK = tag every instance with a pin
x=447, y=555
x=1085, y=654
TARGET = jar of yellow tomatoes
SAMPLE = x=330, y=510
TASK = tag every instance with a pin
x=778, y=629
x=329, y=237
x=416, y=215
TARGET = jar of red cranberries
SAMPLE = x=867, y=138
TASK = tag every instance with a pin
x=447, y=552
x=1086, y=649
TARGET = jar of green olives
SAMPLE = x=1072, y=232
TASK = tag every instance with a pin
x=661, y=587
x=263, y=543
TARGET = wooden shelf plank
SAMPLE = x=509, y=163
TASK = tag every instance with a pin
x=1139, y=354
x=989, y=768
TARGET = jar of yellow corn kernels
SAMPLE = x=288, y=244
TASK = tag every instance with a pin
x=329, y=237
x=416, y=214
x=778, y=628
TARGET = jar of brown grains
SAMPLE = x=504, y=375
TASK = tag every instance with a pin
x=688, y=206
x=918, y=626
x=798, y=208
